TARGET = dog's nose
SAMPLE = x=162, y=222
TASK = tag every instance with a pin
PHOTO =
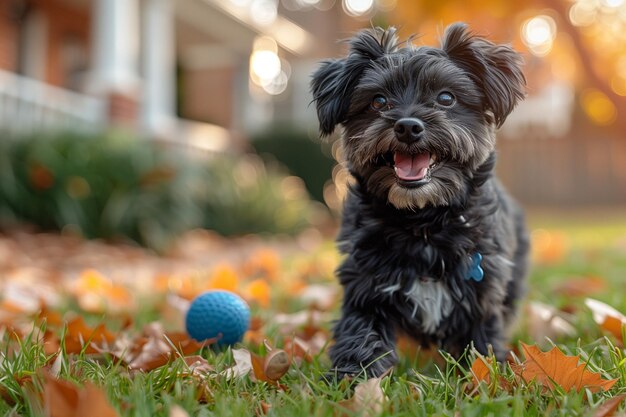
x=409, y=129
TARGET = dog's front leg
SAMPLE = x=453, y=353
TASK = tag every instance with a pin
x=364, y=343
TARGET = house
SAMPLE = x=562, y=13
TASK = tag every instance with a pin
x=199, y=71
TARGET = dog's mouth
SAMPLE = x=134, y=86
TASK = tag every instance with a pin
x=411, y=169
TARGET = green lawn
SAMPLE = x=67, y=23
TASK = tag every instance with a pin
x=579, y=260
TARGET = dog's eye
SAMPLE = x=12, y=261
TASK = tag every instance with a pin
x=378, y=103
x=445, y=99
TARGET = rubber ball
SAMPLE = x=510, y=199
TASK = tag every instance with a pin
x=220, y=314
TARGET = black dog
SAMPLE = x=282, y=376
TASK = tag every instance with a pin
x=435, y=248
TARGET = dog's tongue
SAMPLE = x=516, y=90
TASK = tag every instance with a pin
x=411, y=167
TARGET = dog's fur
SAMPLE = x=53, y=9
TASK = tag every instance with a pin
x=409, y=244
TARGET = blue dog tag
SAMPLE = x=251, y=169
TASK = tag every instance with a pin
x=476, y=272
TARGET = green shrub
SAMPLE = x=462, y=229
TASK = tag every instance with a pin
x=301, y=153
x=120, y=187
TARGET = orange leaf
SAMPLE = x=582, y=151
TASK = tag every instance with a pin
x=259, y=291
x=223, y=277
x=581, y=286
x=65, y=399
x=608, y=407
x=608, y=318
x=264, y=408
x=264, y=262
x=79, y=334
x=554, y=368
x=614, y=326
x=480, y=371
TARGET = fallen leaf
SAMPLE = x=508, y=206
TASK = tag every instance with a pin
x=581, y=286
x=608, y=318
x=299, y=350
x=258, y=291
x=198, y=365
x=276, y=364
x=545, y=321
x=264, y=408
x=159, y=351
x=480, y=370
x=608, y=407
x=223, y=277
x=153, y=348
x=79, y=336
x=65, y=399
x=263, y=262
x=555, y=368
x=368, y=398
x=272, y=367
x=242, y=366
x=548, y=246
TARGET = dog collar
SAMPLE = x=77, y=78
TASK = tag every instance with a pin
x=475, y=272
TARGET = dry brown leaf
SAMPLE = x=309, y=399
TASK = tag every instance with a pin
x=272, y=367
x=555, y=368
x=608, y=407
x=65, y=399
x=79, y=336
x=368, y=398
x=198, y=365
x=242, y=366
x=153, y=348
x=4, y=392
x=159, y=351
x=608, y=318
x=298, y=349
x=277, y=363
x=581, y=286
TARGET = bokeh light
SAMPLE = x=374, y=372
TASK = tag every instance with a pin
x=582, y=13
x=267, y=70
x=598, y=107
x=618, y=85
x=358, y=7
x=264, y=12
x=612, y=4
x=538, y=33
x=264, y=64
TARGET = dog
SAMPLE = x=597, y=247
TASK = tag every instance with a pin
x=434, y=247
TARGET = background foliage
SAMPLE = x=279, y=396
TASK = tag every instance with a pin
x=122, y=187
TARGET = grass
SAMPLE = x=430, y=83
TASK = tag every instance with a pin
x=419, y=386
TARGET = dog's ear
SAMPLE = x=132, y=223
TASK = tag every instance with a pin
x=497, y=69
x=334, y=81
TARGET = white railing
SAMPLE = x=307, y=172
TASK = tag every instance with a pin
x=28, y=105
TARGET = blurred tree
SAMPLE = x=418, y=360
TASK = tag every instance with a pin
x=582, y=43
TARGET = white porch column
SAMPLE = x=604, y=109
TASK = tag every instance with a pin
x=116, y=46
x=158, y=107
x=115, y=72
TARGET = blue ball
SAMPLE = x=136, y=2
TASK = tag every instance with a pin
x=216, y=313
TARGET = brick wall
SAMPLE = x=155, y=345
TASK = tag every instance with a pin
x=8, y=39
x=66, y=24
